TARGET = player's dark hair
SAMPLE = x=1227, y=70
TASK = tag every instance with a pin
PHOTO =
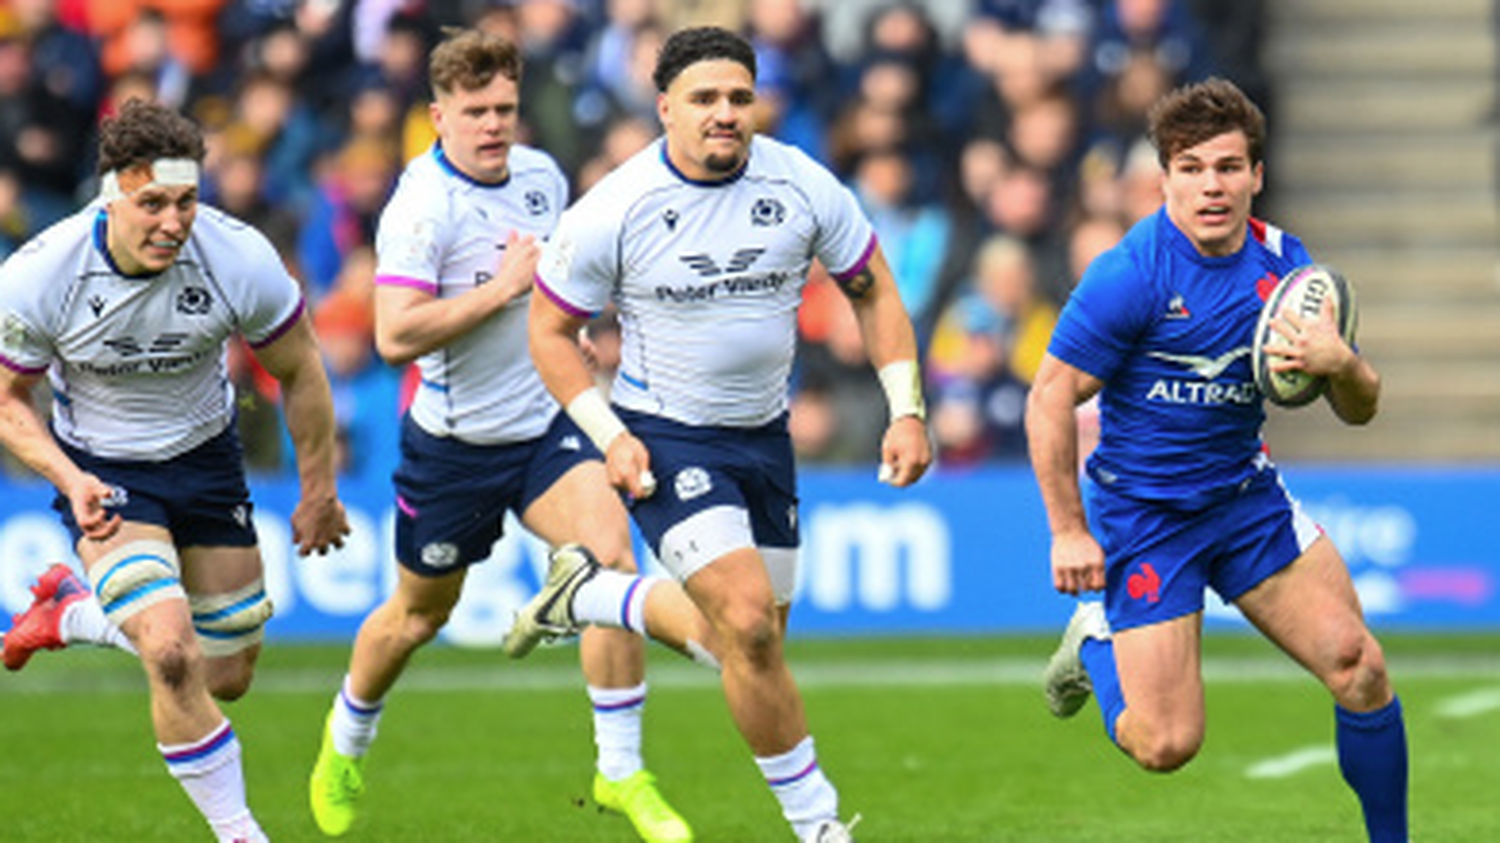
x=700, y=43
x=469, y=59
x=1192, y=114
x=144, y=131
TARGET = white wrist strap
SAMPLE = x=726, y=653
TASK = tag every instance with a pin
x=902, y=382
x=592, y=413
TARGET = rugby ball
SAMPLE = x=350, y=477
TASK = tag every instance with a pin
x=1303, y=292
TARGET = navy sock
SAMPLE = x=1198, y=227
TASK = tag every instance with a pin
x=1372, y=757
x=1099, y=660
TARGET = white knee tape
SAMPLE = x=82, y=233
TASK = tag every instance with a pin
x=134, y=577
x=702, y=538
x=781, y=565
x=228, y=623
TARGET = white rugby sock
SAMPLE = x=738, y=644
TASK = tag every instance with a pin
x=611, y=598
x=617, y=729
x=355, y=722
x=807, y=796
x=209, y=770
x=83, y=622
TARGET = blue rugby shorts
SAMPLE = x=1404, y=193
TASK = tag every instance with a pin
x=1159, y=559
x=451, y=496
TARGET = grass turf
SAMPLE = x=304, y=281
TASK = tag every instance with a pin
x=930, y=739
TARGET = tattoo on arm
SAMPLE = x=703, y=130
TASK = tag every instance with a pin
x=858, y=285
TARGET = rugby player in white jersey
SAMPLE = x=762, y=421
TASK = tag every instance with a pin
x=457, y=249
x=704, y=241
x=128, y=307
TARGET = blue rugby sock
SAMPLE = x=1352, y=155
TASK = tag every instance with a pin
x=1099, y=660
x=1372, y=757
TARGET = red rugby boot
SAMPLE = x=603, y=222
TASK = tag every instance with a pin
x=37, y=628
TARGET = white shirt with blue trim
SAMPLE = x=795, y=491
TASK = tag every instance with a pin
x=444, y=233
x=707, y=276
x=138, y=364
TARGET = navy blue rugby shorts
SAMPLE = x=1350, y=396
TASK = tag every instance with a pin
x=200, y=497
x=451, y=496
x=699, y=468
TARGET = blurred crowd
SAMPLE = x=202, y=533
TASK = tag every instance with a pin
x=997, y=145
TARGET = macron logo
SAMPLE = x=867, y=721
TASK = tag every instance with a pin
x=1207, y=368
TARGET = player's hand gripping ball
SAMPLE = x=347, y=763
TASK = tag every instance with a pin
x=1303, y=292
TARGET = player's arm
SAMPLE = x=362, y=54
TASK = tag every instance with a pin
x=553, y=337
x=319, y=521
x=1052, y=438
x=1315, y=346
x=1354, y=391
x=411, y=322
x=24, y=434
x=905, y=452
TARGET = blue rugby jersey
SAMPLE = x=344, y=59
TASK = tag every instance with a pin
x=1168, y=331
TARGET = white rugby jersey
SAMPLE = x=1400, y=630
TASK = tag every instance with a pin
x=444, y=233
x=138, y=363
x=707, y=276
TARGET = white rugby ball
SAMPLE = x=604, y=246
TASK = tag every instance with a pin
x=1301, y=291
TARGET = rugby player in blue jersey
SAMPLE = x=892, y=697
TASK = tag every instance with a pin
x=704, y=241
x=1180, y=494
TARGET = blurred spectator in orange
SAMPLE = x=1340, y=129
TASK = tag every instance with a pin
x=190, y=32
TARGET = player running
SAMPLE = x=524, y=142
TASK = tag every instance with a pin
x=704, y=241
x=128, y=307
x=457, y=248
x=1180, y=493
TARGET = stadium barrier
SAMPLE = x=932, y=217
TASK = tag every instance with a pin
x=960, y=553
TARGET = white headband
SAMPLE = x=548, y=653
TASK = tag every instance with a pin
x=165, y=172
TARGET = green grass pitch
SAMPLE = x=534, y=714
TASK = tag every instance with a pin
x=930, y=740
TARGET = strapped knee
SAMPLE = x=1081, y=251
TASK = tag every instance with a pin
x=781, y=565
x=134, y=577
x=229, y=623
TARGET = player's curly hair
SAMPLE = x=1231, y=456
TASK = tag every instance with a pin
x=700, y=43
x=469, y=59
x=1192, y=114
x=144, y=131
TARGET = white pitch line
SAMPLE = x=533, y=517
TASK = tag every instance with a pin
x=1291, y=763
x=1471, y=704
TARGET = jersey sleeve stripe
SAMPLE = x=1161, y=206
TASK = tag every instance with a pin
x=286, y=325
x=558, y=300
x=20, y=369
x=406, y=281
x=859, y=265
